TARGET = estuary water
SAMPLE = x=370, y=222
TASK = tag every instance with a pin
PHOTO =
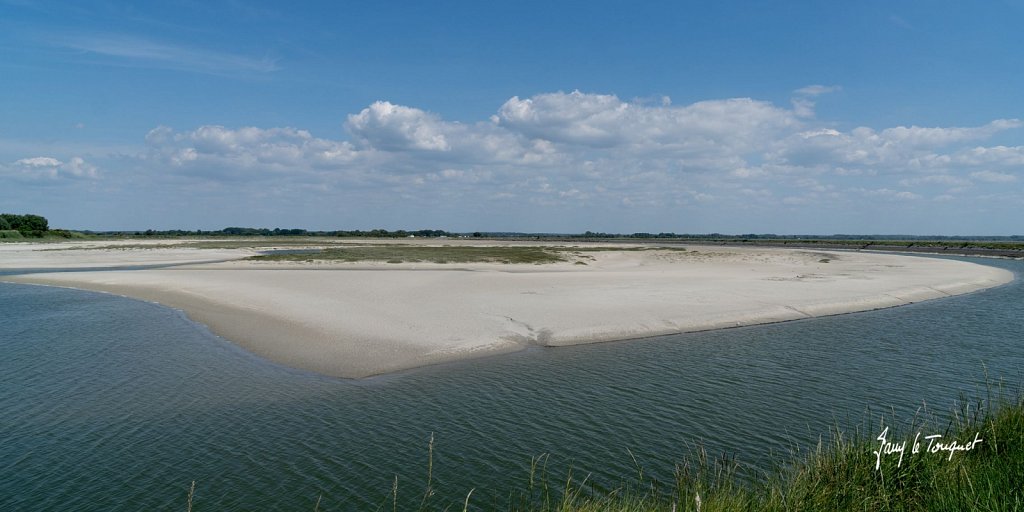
x=108, y=403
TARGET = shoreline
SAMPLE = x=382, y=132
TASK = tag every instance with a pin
x=360, y=320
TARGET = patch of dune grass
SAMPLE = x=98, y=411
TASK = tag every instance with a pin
x=403, y=253
x=604, y=248
x=423, y=254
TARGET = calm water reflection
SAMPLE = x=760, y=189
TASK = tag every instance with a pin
x=115, y=404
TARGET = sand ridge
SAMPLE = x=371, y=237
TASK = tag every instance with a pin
x=367, y=318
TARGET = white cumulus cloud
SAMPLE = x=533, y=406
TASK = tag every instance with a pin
x=39, y=161
x=390, y=127
x=605, y=121
x=49, y=169
x=915, y=136
x=893, y=149
x=78, y=167
x=216, y=148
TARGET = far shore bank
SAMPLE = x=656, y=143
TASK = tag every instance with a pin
x=937, y=249
x=356, y=319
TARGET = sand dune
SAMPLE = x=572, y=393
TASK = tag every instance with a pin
x=361, y=319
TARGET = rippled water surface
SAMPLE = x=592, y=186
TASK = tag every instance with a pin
x=114, y=404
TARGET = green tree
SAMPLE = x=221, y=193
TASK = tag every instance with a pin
x=32, y=225
x=10, y=219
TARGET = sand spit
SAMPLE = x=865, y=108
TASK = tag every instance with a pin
x=361, y=319
x=108, y=254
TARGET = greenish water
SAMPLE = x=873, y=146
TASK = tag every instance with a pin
x=114, y=404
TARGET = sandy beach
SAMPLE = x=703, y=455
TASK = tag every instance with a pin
x=360, y=319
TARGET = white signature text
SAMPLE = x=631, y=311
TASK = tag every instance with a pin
x=933, y=444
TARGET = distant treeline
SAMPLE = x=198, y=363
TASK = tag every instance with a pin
x=237, y=231
x=435, y=233
x=773, y=236
x=23, y=225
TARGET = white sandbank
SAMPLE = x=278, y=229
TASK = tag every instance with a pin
x=107, y=254
x=361, y=319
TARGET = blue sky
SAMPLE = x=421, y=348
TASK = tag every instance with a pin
x=718, y=116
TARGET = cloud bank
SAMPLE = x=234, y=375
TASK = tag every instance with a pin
x=586, y=156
